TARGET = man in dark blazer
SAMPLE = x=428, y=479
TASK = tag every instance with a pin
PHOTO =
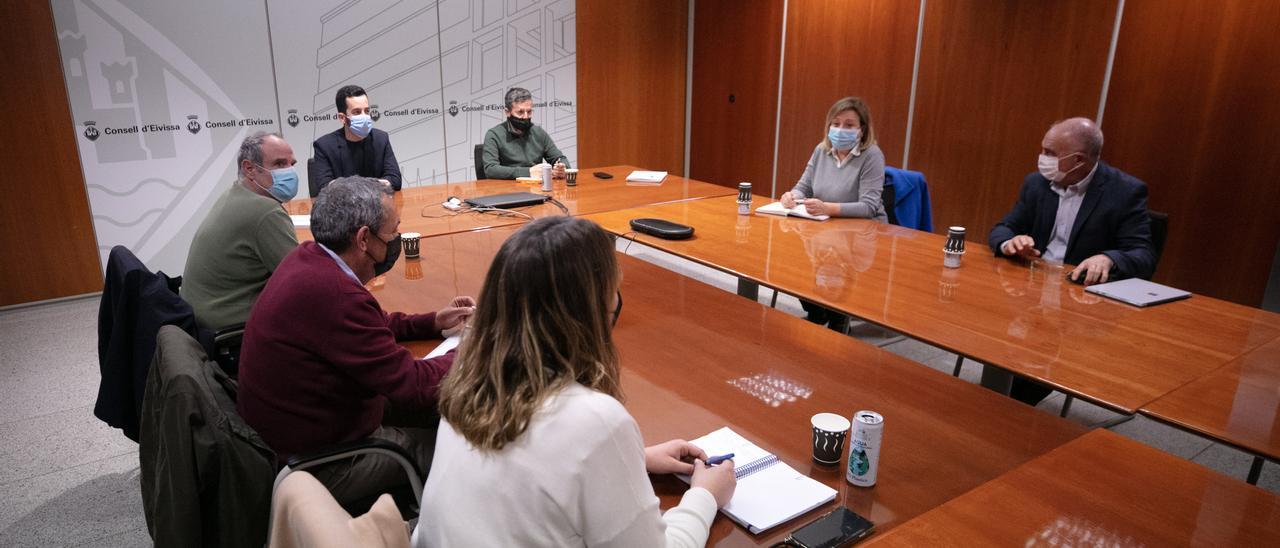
x=1078, y=210
x=1093, y=215
x=356, y=148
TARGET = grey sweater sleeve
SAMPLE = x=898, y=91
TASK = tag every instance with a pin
x=804, y=187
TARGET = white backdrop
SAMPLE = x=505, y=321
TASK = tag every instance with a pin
x=163, y=91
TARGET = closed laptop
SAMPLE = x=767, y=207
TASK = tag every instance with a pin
x=1138, y=292
x=507, y=201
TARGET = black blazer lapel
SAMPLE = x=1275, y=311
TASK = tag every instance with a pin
x=341, y=160
x=1042, y=230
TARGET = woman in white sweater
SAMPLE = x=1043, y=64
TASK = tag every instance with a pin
x=534, y=447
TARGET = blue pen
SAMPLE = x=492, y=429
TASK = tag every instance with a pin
x=717, y=460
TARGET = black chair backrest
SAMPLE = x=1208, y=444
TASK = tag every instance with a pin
x=889, y=197
x=1159, y=231
x=479, y=153
x=313, y=183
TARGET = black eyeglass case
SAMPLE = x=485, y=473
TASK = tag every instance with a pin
x=662, y=228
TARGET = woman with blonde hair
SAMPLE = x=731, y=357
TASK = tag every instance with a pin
x=535, y=447
x=844, y=178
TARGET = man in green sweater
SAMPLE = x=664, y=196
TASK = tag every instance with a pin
x=245, y=236
x=515, y=145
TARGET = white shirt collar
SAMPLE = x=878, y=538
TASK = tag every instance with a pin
x=853, y=153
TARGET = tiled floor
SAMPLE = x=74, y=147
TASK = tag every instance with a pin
x=67, y=479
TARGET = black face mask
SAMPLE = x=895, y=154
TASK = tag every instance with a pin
x=393, y=253
x=520, y=124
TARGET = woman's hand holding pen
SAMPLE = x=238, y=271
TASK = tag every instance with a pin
x=788, y=200
x=672, y=457
x=718, y=480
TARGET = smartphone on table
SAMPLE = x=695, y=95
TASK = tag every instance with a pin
x=839, y=527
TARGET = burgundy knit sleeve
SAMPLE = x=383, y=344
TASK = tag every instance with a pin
x=412, y=327
x=366, y=349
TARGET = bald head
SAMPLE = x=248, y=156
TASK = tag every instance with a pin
x=1076, y=135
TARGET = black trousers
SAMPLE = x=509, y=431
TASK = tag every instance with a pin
x=1028, y=391
x=821, y=315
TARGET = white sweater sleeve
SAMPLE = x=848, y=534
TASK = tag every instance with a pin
x=620, y=506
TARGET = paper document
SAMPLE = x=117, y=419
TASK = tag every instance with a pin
x=448, y=344
x=769, y=491
x=776, y=208
x=646, y=177
x=301, y=221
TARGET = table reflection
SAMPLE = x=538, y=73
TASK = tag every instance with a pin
x=772, y=388
x=837, y=254
x=1070, y=531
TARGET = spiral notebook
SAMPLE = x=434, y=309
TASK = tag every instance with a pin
x=769, y=491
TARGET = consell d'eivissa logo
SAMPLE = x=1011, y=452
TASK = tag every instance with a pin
x=93, y=132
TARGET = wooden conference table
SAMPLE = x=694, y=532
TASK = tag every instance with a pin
x=1100, y=490
x=696, y=358
x=421, y=210
x=1026, y=319
x=1238, y=403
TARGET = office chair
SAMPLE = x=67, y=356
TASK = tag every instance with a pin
x=206, y=476
x=226, y=348
x=889, y=196
x=135, y=304
x=479, y=155
x=304, y=513
x=313, y=181
x=1159, y=232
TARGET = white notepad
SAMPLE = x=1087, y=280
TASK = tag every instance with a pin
x=769, y=491
x=301, y=221
x=776, y=208
x=448, y=344
x=647, y=177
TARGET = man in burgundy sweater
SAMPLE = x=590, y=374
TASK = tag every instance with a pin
x=320, y=358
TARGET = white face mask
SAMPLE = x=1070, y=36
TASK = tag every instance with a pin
x=1048, y=166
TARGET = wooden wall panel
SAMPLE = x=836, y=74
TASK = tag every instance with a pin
x=993, y=76
x=631, y=83
x=736, y=51
x=837, y=48
x=1194, y=110
x=47, y=245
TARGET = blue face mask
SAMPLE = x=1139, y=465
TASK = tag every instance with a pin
x=842, y=139
x=284, y=183
x=361, y=125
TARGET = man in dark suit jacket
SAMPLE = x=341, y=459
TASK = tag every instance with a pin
x=356, y=148
x=1078, y=210
x=1093, y=216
